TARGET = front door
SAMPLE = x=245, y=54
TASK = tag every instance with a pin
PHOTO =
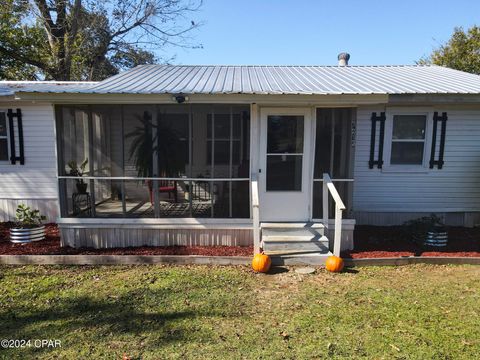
x=285, y=164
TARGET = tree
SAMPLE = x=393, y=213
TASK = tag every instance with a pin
x=13, y=16
x=461, y=52
x=89, y=39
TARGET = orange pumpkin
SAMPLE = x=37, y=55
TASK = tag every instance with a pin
x=334, y=264
x=261, y=263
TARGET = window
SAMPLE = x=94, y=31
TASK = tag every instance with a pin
x=3, y=137
x=408, y=139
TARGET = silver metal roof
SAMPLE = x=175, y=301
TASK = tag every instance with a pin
x=159, y=79
x=317, y=80
x=9, y=88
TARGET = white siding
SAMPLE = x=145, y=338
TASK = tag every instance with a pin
x=36, y=180
x=455, y=188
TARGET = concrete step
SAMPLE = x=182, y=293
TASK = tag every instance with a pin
x=294, y=240
x=291, y=225
x=300, y=259
x=292, y=233
x=294, y=246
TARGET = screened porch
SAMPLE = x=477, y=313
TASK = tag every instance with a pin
x=154, y=161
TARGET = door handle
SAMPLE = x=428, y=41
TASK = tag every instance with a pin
x=259, y=171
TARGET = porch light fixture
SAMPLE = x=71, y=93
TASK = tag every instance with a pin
x=180, y=98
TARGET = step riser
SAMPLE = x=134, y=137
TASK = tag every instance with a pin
x=316, y=226
x=298, y=246
x=293, y=232
x=287, y=234
x=283, y=238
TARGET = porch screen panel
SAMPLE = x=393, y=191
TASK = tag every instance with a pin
x=156, y=161
x=73, y=151
x=106, y=159
x=333, y=154
x=173, y=140
x=75, y=144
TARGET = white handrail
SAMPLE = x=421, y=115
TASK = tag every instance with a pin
x=329, y=189
x=255, y=214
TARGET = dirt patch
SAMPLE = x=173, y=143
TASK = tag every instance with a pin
x=392, y=241
x=51, y=246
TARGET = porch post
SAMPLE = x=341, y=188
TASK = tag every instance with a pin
x=122, y=118
x=155, y=165
x=91, y=161
x=337, y=238
x=60, y=148
x=254, y=199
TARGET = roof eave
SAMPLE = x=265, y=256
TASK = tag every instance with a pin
x=434, y=98
x=303, y=99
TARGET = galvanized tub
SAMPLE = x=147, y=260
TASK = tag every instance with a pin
x=23, y=236
x=437, y=238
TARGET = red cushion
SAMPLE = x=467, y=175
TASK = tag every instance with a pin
x=166, y=188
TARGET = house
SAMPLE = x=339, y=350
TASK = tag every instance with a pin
x=288, y=158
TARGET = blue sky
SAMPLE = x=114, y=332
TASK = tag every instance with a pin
x=313, y=32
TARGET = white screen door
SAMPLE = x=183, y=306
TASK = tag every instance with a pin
x=285, y=164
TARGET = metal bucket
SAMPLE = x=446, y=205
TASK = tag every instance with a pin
x=23, y=236
x=436, y=238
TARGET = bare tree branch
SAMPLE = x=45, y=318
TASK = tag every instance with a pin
x=92, y=39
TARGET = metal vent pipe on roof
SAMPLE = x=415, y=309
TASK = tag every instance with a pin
x=343, y=59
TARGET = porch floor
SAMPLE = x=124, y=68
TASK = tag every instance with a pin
x=144, y=209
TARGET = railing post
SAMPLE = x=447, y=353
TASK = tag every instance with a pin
x=337, y=239
x=329, y=188
x=325, y=200
x=256, y=231
x=255, y=214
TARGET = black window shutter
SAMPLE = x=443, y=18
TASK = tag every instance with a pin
x=13, y=156
x=436, y=119
x=381, y=120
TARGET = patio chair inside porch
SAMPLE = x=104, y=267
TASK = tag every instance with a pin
x=164, y=186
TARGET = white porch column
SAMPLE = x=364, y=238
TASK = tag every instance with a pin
x=254, y=166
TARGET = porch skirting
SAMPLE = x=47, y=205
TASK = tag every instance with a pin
x=109, y=234
x=119, y=233
x=348, y=226
x=395, y=218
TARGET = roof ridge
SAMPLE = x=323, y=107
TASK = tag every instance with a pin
x=320, y=66
x=47, y=82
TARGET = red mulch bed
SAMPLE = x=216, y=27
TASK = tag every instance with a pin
x=51, y=246
x=370, y=242
x=392, y=241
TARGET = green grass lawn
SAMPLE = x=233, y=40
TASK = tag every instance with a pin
x=163, y=312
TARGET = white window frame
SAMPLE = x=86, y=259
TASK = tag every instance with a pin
x=3, y=162
x=388, y=140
